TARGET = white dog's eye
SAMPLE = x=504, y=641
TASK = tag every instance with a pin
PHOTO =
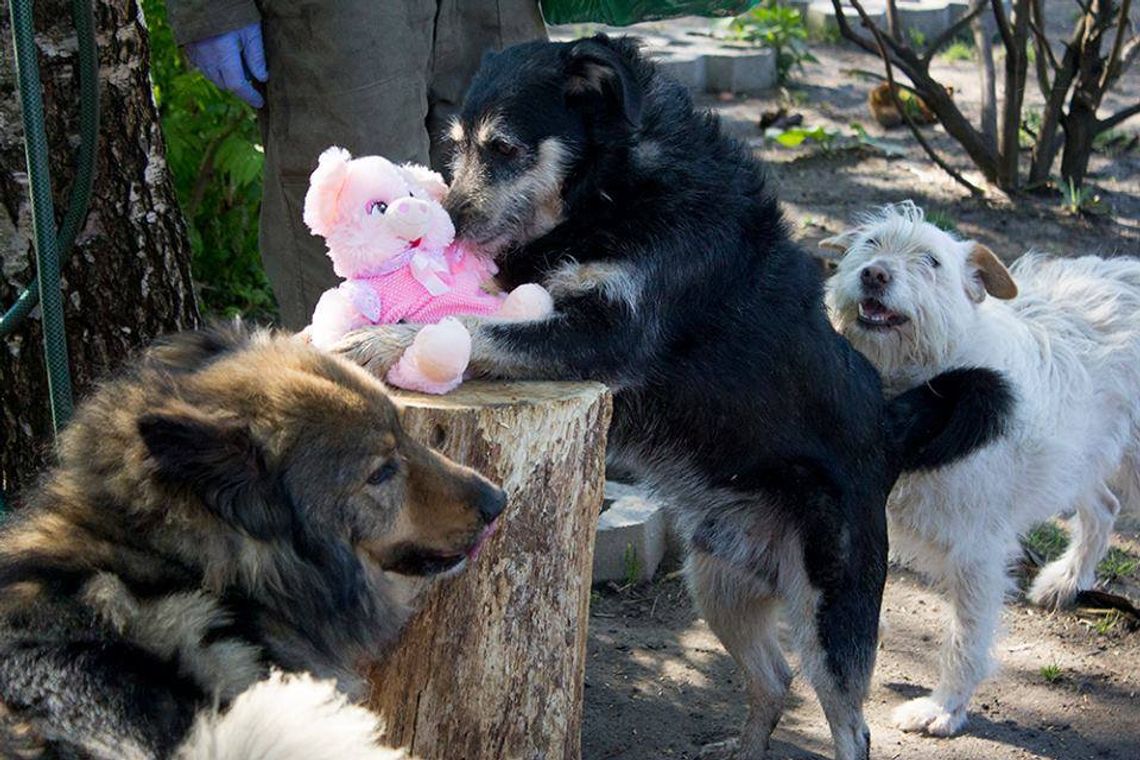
x=377, y=207
x=932, y=260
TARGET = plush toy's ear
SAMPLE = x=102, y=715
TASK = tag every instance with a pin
x=596, y=71
x=217, y=460
x=422, y=177
x=840, y=242
x=325, y=184
x=986, y=274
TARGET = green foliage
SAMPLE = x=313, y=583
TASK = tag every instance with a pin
x=1048, y=540
x=1080, y=200
x=213, y=148
x=632, y=565
x=959, y=51
x=917, y=38
x=1109, y=622
x=1052, y=673
x=831, y=140
x=778, y=28
x=942, y=220
x=1117, y=563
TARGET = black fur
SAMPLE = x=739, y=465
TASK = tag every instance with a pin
x=734, y=397
x=953, y=414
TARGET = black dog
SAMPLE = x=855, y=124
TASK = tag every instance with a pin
x=584, y=169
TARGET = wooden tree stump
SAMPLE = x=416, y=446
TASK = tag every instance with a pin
x=492, y=664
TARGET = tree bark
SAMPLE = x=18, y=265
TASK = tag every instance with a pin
x=982, y=29
x=492, y=664
x=127, y=278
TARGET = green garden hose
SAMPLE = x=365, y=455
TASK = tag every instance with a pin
x=52, y=245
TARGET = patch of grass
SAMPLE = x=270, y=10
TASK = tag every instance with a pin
x=828, y=35
x=1117, y=563
x=1030, y=128
x=632, y=565
x=1109, y=622
x=830, y=139
x=1051, y=673
x=958, y=51
x=942, y=220
x=1048, y=540
x=1080, y=200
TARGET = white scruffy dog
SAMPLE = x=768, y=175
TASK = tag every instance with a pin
x=913, y=299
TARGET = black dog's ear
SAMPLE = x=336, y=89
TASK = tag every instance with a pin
x=219, y=461
x=596, y=69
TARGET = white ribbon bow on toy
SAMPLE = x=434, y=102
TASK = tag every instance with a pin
x=425, y=268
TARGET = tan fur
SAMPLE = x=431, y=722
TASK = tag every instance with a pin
x=995, y=277
x=614, y=280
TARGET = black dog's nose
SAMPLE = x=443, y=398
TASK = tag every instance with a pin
x=874, y=277
x=458, y=207
x=490, y=501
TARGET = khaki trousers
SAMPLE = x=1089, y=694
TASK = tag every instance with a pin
x=376, y=77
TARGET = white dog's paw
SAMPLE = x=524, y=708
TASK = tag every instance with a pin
x=1055, y=586
x=926, y=715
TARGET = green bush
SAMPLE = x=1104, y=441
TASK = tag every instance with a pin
x=777, y=27
x=213, y=148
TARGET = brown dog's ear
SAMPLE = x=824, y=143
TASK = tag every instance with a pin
x=596, y=70
x=218, y=460
x=987, y=274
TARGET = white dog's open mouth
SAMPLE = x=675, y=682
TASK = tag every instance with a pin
x=873, y=313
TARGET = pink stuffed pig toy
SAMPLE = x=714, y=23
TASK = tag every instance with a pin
x=391, y=240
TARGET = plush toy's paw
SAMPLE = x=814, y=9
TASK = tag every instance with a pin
x=436, y=360
x=926, y=715
x=527, y=302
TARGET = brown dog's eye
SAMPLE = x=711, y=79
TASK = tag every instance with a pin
x=504, y=148
x=382, y=473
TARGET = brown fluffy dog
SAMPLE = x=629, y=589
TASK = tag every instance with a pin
x=232, y=504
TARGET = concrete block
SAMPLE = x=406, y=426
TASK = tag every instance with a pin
x=686, y=67
x=820, y=17
x=749, y=71
x=631, y=535
x=924, y=18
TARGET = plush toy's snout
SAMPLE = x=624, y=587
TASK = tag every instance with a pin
x=408, y=218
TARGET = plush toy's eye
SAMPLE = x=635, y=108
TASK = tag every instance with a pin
x=377, y=207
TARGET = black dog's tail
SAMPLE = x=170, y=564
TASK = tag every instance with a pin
x=950, y=416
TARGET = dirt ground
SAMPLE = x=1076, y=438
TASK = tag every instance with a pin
x=658, y=683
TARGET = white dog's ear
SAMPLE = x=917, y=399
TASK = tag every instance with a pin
x=840, y=242
x=986, y=274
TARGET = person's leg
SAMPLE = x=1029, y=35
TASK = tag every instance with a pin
x=464, y=31
x=348, y=73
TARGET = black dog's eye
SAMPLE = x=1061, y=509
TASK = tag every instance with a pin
x=932, y=260
x=382, y=473
x=504, y=148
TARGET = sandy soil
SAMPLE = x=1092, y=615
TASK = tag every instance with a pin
x=658, y=682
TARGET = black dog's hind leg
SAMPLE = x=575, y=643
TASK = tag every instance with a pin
x=743, y=611
x=837, y=635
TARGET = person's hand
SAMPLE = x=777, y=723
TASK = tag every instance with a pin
x=229, y=60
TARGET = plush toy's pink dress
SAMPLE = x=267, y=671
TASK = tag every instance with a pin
x=424, y=287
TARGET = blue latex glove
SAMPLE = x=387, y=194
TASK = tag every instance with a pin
x=229, y=60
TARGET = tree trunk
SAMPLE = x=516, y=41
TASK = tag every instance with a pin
x=982, y=28
x=128, y=276
x=1080, y=131
x=492, y=665
x=1016, y=68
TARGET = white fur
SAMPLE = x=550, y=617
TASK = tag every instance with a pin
x=1069, y=344
x=288, y=717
